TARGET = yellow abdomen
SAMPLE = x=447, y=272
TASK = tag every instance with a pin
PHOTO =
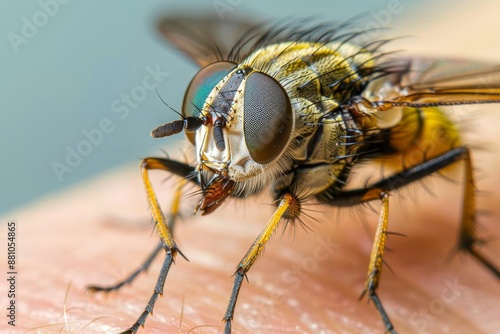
x=423, y=134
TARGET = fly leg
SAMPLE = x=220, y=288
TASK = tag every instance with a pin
x=376, y=261
x=379, y=191
x=162, y=228
x=285, y=208
x=131, y=277
x=174, y=211
x=166, y=239
x=468, y=239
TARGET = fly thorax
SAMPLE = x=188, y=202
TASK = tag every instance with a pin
x=329, y=141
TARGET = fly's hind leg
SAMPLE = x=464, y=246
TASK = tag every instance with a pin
x=468, y=239
x=163, y=228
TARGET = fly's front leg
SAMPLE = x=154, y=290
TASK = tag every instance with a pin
x=130, y=278
x=174, y=212
x=287, y=207
x=162, y=228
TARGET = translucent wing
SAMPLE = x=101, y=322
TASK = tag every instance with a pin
x=425, y=82
x=206, y=39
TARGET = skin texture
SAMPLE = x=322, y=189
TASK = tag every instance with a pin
x=99, y=232
x=307, y=285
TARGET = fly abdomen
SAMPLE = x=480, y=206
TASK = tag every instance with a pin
x=422, y=134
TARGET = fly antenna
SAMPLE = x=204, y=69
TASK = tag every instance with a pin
x=165, y=103
x=189, y=123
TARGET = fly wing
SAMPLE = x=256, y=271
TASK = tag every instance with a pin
x=422, y=83
x=206, y=39
x=431, y=74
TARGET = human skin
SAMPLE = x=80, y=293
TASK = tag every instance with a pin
x=99, y=232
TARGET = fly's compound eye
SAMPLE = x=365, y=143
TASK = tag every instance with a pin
x=268, y=117
x=200, y=87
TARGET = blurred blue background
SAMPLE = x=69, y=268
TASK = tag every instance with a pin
x=66, y=69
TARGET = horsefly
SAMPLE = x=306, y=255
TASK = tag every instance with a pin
x=292, y=108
